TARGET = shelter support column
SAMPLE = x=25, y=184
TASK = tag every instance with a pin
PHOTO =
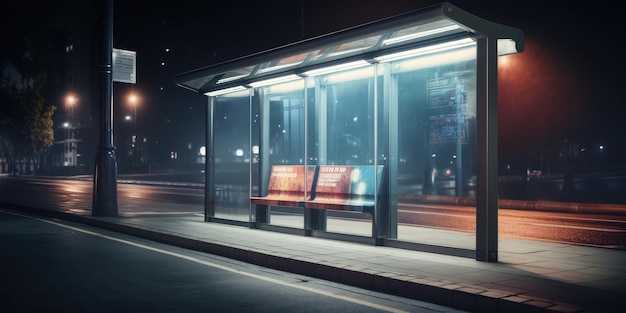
x=209, y=169
x=487, y=150
x=385, y=224
x=262, y=212
x=315, y=220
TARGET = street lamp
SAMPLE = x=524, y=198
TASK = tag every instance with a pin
x=69, y=149
x=133, y=100
x=70, y=100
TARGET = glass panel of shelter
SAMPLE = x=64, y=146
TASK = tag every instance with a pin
x=436, y=129
x=421, y=127
x=344, y=124
x=282, y=140
x=340, y=119
x=231, y=156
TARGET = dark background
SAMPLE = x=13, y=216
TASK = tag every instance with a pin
x=562, y=94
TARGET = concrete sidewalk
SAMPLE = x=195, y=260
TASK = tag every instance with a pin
x=531, y=276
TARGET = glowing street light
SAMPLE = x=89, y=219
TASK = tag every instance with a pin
x=133, y=100
x=69, y=153
x=70, y=100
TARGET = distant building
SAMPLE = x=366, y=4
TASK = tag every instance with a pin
x=75, y=122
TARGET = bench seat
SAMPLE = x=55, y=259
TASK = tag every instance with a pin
x=286, y=186
x=345, y=188
x=332, y=187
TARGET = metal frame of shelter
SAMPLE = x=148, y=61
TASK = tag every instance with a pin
x=426, y=28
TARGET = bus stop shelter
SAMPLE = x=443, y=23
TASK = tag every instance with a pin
x=333, y=136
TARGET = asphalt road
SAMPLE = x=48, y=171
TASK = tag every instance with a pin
x=69, y=195
x=56, y=266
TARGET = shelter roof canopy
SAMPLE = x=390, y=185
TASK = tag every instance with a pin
x=429, y=26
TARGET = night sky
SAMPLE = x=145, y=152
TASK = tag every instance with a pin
x=564, y=86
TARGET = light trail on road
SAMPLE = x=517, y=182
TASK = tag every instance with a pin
x=577, y=228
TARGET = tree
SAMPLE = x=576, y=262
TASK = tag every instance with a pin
x=39, y=123
x=25, y=123
x=25, y=120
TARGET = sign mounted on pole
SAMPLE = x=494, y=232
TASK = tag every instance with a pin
x=124, y=66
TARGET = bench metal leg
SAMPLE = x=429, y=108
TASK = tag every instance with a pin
x=314, y=220
x=262, y=214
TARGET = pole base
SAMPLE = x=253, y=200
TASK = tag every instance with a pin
x=105, y=184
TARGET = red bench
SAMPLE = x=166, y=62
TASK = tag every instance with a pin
x=286, y=186
x=332, y=187
x=345, y=188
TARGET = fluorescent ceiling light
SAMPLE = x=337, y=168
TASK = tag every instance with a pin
x=395, y=40
x=426, y=50
x=447, y=57
x=276, y=80
x=276, y=68
x=286, y=87
x=230, y=79
x=224, y=91
x=506, y=46
x=366, y=72
x=336, y=68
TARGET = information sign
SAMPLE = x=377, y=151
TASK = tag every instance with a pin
x=124, y=66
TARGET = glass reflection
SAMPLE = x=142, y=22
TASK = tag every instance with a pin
x=436, y=130
x=231, y=154
x=280, y=132
x=416, y=117
x=342, y=127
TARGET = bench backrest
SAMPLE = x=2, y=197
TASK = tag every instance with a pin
x=347, y=183
x=288, y=181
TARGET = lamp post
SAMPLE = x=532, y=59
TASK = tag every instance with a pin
x=105, y=175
